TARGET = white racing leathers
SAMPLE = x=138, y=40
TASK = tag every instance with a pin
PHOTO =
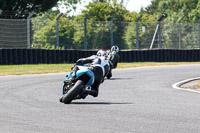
x=99, y=65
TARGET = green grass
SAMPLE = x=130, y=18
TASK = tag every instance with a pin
x=60, y=68
x=33, y=69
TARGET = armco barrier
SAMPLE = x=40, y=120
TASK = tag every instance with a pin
x=43, y=56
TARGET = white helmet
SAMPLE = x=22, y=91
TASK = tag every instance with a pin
x=115, y=48
x=102, y=53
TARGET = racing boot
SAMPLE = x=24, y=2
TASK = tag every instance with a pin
x=86, y=91
x=93, y=93
x=109, y=75
x=84, y=94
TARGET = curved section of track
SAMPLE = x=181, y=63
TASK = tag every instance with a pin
x=178, y=84
x=134, y=100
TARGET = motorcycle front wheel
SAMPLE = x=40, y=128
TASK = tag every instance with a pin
x=73, y=92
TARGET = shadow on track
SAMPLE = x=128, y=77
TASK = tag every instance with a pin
x=119, y=79
x=103, y=103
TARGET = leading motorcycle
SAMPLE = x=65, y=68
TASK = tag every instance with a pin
x=79, y=87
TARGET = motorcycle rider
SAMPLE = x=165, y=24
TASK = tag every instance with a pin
x=99, y=65
x=113, y=59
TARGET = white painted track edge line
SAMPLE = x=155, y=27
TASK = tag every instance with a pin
x=178, y=84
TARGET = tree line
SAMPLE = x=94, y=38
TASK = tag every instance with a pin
x=71, y=29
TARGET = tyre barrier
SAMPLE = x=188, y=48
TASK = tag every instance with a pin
x=43, y=56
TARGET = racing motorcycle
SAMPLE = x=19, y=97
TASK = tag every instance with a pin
x=80, y=87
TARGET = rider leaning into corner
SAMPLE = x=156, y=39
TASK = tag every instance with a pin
x=113, y=58
x=98, y=64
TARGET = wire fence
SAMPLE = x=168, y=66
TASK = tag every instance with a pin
x=13, y=33
x=67, y=34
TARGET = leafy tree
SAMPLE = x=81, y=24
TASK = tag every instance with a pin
x=175, y=9
x=69, y=5
x=103, y=12
x=147, y=22
x=99, y=32
x=44, y=31
x=152, y=8
x=98, y=27
x=23, y=8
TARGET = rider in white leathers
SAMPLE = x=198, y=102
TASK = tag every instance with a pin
x=99, y=65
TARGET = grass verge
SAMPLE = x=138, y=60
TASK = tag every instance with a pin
x=198, y=85
x=60, y=68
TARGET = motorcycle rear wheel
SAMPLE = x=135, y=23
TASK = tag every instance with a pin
x=73, y=92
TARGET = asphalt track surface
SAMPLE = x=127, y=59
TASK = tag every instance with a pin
x=137, y=100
